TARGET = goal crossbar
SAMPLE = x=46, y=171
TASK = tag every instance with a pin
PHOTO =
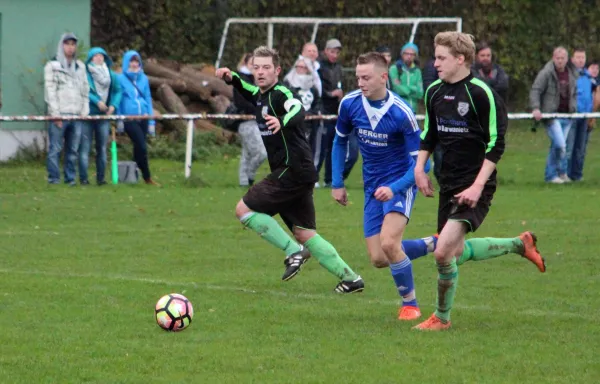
x=316, y=22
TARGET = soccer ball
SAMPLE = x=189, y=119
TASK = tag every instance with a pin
x=174, y=312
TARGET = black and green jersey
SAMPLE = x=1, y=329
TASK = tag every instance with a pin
x=288, y=151
x=468, y=120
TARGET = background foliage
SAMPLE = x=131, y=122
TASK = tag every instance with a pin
x=522, y=32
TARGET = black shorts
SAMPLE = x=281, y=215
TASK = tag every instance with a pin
x=449, y=210
x=293, y=202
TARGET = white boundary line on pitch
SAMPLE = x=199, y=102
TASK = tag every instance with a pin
x=527, y=312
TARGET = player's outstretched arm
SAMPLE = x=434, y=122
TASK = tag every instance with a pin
x=247, y=90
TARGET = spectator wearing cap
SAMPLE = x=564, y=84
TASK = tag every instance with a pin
x=387, y=53
x=491, y=73
x=331, y=78
x=66, y=91
x=406, y=77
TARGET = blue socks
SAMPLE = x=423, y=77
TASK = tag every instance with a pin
x=403, y=277
x=419, y=247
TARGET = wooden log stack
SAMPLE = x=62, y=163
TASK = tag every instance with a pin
x=181, y=88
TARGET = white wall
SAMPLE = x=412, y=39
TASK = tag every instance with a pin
x=12, y=140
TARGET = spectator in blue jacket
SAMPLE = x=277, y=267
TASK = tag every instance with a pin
x=577, y=137
x=105, y=97
x=137, y=101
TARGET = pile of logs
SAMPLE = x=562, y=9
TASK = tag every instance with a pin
x=187, y=88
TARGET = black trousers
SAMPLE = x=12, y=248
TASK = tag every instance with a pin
x=137, y=132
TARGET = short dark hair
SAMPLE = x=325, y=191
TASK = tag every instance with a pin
x=383, y=49
x=375, y=58
x=264, y=51
x=481, y=46
x=579, y=49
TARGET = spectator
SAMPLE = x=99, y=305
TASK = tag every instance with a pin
x=554, y=91
x=66, y=93
x=301, y=81
x=105, y=97
x=331, y=77
x=593, y=70
x=488, y=71
x=577, y=138
x=253, y=149
x=311, y=52
x=430, y=74
x=136, y=100
x=387, y=53
x=406, y=77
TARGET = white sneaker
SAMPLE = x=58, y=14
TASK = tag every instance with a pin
x=556, y=180
x=317, y=185
x=565, y=178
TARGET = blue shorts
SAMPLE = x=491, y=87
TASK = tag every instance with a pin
x=376, y=210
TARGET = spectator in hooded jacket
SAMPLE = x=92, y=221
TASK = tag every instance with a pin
x=105, y=97
x=137, y=100
x=66, y=94
x=406, y=77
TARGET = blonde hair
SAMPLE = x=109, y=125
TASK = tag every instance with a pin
x=264, y=51
x=458, y=43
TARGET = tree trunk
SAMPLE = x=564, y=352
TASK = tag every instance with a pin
x=174, y=127
x=173, y=104
x=194, y=88
x=170, y=100
x=178, y=85
x=219, y=103
x=216, y=86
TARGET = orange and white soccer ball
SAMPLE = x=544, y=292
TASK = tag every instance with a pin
x=174, y=312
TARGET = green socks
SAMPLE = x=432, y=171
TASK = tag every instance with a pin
x=447, y=282
x=323, y=251
x=270, y=230
x=488, y=248
x=328, y=257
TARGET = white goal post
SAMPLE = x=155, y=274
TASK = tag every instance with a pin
x=316, y=22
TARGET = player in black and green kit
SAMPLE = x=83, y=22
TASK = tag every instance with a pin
x=468, y=120
x=288, y=189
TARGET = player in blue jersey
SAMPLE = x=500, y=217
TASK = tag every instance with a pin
x=389, y=142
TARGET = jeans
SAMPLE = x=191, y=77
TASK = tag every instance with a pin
x=576, y=148
x=327, y=147
x=99, y=131
x=137, y=132
x=70, y=133
x=556, y=164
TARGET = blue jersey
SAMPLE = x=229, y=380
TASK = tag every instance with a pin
x=388, y=136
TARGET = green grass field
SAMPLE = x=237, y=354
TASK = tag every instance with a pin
x=82, y=268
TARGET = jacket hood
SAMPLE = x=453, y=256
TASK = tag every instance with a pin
x=96, y=50
x=60, y=51
x=127, y=58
